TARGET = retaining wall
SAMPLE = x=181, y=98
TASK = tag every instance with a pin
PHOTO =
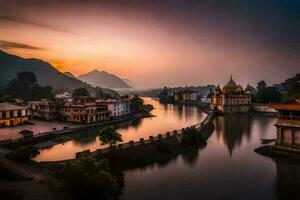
x=203, y=128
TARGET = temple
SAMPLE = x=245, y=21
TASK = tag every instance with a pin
x=288, y=125
x=231, y=99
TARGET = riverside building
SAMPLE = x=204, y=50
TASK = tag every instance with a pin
x=232, y=98
x=12, y=115
x=288, y=125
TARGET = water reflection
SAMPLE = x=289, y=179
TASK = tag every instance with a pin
x=227, y=168
x=190, y=157
x=232, y=129
x=288, y=179
x=168, y=117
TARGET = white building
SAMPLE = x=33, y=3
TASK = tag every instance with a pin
x=117, y=107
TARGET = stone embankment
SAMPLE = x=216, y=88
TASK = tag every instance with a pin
x=204, y=128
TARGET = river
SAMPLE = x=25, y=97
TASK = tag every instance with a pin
x=168, y=118
x=227, y=168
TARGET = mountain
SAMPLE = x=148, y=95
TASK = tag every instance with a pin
x=45, y=73
x=129, y=82
x=103, y=79
x=69, y=74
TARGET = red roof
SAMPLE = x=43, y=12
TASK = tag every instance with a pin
x=291, y=105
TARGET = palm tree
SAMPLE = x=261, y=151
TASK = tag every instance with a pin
x=109, y=135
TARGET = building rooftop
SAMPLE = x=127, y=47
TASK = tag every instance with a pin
x=230, y=85
x=9, y=106
x=293, y=105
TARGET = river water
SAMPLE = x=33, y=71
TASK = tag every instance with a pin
x=168, y=118
x=227, y=168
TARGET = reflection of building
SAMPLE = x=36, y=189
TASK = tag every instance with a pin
x=12, y=115
x=231, y=129
x=185, y=96
x=288, y=125
x=287, y=180
x=231, y=99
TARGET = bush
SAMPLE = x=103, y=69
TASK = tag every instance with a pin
x=89, y=177
x=162, y=147
x=23, y=154
x=190, y=137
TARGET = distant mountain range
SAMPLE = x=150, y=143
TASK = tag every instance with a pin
x=129, y=82
x=103, y=79
x=46, y=74
x=69, y=74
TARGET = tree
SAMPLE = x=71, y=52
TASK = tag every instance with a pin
x=294, y=91
x=7, y=98
x=90, y=177
x=261, y=85
x=109, y=135
x=190, y=137
x=80, y=92
x=164, y=96
x=136, y=103
x=102, y=95
x=25, y=87
x=268, y=95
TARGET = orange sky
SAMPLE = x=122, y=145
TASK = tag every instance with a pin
x=150, y=47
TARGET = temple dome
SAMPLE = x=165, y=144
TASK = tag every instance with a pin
x=231, y=85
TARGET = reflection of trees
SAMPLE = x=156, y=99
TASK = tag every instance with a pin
x=85, y=137
x=264, y=124
x=129, y=124
x=178, y=109
x=190, y=157
x=288, y=180
x=232, y=129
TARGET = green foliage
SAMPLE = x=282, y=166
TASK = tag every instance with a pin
x=190, y=137
x=80, y=92
x=293, y=92
x=164, y=96
x=25, y=87
x=261, y=85
x=7, y=98
x=136, y=103
x=102, y=95
x=268, y=95
x=23, y=154
x=109, y=135
x=89, y=177
x=288, y=84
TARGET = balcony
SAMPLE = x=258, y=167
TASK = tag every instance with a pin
x=291, y=121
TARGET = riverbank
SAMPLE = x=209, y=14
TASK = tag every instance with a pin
x=150, y=144
x=51, y=138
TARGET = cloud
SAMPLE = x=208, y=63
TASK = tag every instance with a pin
x=16, y=45
x=29, y=22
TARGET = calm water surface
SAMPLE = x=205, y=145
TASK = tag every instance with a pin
x=227, y=168
x=168, y=117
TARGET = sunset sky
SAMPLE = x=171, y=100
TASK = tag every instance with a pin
x=159, y=42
